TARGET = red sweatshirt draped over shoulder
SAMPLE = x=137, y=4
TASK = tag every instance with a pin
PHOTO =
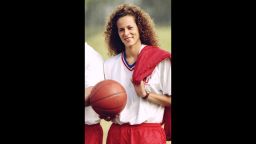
x=146, y=62
x=148, y=59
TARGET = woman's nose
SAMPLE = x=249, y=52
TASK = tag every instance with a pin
x=126, y=32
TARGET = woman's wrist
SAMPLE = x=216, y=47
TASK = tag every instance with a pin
x=146, y=96
x=147, y=91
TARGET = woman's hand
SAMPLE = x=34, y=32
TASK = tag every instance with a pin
x=140, y=89
x=108, y=118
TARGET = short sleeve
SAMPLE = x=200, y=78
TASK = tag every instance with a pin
x=165, y=76
x=93, y=67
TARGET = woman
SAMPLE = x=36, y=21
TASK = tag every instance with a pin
x=145, y=72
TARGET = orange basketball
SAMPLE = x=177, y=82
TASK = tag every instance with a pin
x=108, y=98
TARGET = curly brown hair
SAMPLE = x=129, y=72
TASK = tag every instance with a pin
x=142, y=19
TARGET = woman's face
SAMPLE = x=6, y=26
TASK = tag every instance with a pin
x=128, y=31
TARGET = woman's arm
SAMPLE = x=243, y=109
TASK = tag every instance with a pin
x=152, y=97
x=159, y=99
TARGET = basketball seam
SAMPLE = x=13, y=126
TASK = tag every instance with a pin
x=108, y=96
x=95, y=91
x=108, y=109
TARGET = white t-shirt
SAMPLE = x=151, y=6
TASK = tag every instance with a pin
x=93, y=75
x=138, y=110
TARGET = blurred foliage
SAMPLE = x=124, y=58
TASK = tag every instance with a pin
x=97, y=10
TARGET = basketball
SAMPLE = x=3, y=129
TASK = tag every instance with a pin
x=108, y=98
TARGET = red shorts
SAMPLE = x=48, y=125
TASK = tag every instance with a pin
x=146, y=133
x=93, y=134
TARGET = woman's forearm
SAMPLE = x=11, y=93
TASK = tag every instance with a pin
x=159, y=99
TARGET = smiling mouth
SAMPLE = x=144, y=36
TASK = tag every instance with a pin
x=127, y=39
